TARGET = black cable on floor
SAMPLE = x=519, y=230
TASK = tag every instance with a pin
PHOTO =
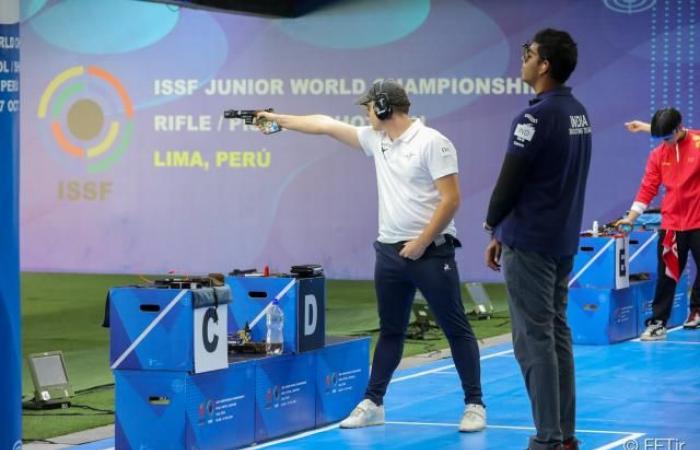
x=91, y=408
x=45, y=441
x=95, y=388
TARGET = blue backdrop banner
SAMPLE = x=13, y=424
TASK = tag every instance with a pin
x=140, y=173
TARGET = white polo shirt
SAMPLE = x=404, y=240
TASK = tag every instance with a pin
x=406, y=170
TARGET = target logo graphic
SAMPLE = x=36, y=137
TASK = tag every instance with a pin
x=89, y=116
x=629, y=6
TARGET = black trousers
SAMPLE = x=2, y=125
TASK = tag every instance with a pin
x=687, y=241
x=396, y=280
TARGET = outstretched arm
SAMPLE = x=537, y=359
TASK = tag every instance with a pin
x=316, y=124
x=635, y=126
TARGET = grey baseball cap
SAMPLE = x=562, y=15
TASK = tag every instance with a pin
x=393, y=90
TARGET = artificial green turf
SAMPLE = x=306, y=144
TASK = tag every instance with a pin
x=64, y=312
x=40, y=425
x=351, y=311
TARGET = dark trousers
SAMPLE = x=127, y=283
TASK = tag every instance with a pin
x=665, y=285
x=435, y=274
x=537, y=287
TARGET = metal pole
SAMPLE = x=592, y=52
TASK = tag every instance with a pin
x=10, y=344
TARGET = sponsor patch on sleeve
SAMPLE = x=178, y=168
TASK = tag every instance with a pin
x=524, y=132
x=447, y=151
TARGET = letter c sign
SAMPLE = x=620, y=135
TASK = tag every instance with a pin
x=209, y=345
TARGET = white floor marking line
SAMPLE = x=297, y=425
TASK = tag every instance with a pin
x=510, y=427
x=449, y=366
x=415, y=375
x=674, y=342
x=628, y=435
x=296, y=436
x=621, y=442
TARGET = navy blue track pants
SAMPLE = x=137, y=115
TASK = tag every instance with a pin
x=396, y=280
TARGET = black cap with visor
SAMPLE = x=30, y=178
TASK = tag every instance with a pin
x=395, y=93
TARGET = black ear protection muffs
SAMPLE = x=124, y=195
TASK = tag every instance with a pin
x=382, y=107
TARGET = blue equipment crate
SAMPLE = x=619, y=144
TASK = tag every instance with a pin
x=159, y=410
x=342, y=373
x=284, y=395
x=303, y=305
x=603, y=316
x=159, y=324
x=601, y=262
x=642, y=252
x=679, y=310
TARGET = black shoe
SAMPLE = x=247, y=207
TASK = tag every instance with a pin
x=555, y=446
x=570, y=444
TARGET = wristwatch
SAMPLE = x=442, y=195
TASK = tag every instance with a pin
x=488, y=228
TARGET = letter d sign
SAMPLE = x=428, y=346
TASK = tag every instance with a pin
x=310, y=314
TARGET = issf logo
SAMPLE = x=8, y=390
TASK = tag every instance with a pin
x=87, y=118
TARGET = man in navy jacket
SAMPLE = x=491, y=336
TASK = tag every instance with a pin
x=535, y=217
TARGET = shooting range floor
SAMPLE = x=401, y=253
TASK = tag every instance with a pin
x=646, y=392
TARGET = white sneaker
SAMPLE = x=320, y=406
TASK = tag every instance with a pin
x=474, y=418
x=655, y=331
x=693, y=319
x=365, y=414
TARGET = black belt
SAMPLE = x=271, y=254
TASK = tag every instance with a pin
x=437, y=242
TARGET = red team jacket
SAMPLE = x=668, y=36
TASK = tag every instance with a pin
x=677, y=168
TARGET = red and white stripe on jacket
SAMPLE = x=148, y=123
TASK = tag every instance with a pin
x=670, y=256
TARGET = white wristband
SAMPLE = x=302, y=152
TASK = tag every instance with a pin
x=638, y=207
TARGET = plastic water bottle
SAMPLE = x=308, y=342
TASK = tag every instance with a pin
x=275, y=333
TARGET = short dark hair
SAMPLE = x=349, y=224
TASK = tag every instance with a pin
x=560, y=50
x=402, y=108
x=665, y=122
